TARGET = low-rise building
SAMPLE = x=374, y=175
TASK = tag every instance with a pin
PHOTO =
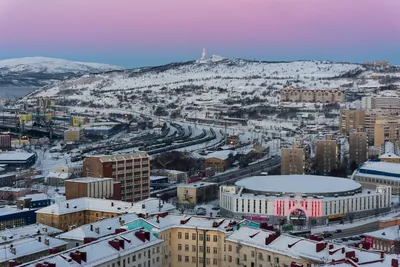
x=77, y=212
x=29, y=249
x=5, y=141
x=7, y=180
x=12, y=193
x=90, y=232
x=34, y=201
x=291, y=94
x=14, y=217
x=17, y=159
x=387, y=239
x=373, y=173
x=90, y=187
x=190, y=195
x=175, y=176
x=74, y=134
x=128, y=248
x=389, y=157
x=219, y=160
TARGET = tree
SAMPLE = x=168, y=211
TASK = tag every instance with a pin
x=353, y=166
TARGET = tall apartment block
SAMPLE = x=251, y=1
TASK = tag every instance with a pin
x=326, y=156
x=5, y=141
x=131, y=170
x=292, y=161
x=373, y=102
x=358, y=150
x=387, y=131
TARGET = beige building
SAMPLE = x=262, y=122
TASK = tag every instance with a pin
x=131, y=170
x=73, y=134
x=351, y=120
x=358, y=147
x=326, y=156
x=292, y=161
x=190, y=195
x=390, y=157
x=89, y=187
x=291, y=94
x=387, y=130
x=375, y=102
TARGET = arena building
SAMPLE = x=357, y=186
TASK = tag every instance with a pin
x=302, y=199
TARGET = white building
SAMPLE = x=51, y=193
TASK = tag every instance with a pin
x=302, y=199
x=27, y=231
x=127, y=249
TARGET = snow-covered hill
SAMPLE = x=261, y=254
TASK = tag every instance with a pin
x=38, y=71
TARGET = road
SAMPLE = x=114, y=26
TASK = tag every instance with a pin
x=357, y=230
x=224, y=178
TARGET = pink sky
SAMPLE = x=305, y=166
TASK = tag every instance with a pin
x=78, y=24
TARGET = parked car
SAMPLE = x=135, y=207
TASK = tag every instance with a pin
x=338, y=231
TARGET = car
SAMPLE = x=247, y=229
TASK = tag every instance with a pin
x=344, y=239
x=327, y=235
x=338, y=231
x=215, y=208
x=354, y=238
x=361, y=236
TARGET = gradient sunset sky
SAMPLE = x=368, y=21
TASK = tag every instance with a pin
x=133, y=33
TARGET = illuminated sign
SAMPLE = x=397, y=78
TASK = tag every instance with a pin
x=298, y=214
x=256, y=218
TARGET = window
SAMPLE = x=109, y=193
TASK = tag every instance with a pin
x=201, y=260
x=215, y=250
x=193, y=259
x=179, y=247
x=260, y=256
x=193, y=236
x=207, y=237
x=179, y=258
x=215, y=261
x=208, y=249
x=186, y=236
x=230, y=248
x=208, y=261
x=229, y=258
x=276, y=260
x=186, y=247
x=179, y=235
x=186, y=258
x=200, y=248
x=245, y=257
x=133, y=258
x=201, y=237
x=193, y=248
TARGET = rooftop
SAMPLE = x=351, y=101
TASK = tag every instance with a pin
x=98, y=252
x=7, y=210
x=390, y=233
x=298, y=184
x=196, y=185
x=113, y=158
x=28, y=246
x=13, y=189
x=150, y=206
x=27, y=231
x=98, y=229
x=88, y=180
x=223, y=154
x=35, y=197
x=12, y=155
x=380, y=169
x=388, y=156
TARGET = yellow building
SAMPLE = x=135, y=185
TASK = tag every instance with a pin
x=219, y=160
x=193, y=194
x=78, y=121
x=25, y=118
x=77, y=212
x=292, y=161
x=73, y=134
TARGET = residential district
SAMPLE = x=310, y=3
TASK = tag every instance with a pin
x=310, y=179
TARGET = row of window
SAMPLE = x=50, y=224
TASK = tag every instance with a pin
x=201, y=249
x=208, y=237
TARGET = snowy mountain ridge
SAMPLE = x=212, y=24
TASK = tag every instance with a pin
x=39, y=71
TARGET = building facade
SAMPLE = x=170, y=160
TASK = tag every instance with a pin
x=131, y=170
x=291, y=199
x=89, y=187
x=387, y=130
x=5, y=141
x=190, y=195
x=312, y=96
x=292, y=161
x=326, y=156
x=73, y=134
x=358, y=150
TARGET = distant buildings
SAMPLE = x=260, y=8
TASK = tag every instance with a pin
x=219, y=160
x=291, y=94
x=232, y=140
x=386, y=130
x=131, y=170
x=358, y=149
x=13, y=217
x=34, y=201
x=190, y=195
x=92, y=187
x=13, y=193
x=17, y=159
x=374, y=102
x=175, y=176
x=292, y=161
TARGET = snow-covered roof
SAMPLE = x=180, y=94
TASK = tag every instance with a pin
x=59, y=175
x=301, y=248
x=186, y=221
x=223, y=155
x=389, y=156
x=13, y=189
x=155, y=178
x=196, y=185
x=29, y=246
x=100, y=252
x=311, y=184
x=98, y=229
x=175, y=172
x=390, y=233
x=113, y=158
x=150, y=206
x=27, y=231
x=11, y=155
x=6, y=210
x=376, y=167
x=35, y=197
x=86, y=180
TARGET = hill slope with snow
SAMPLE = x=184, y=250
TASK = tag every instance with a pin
x=218, y=80
x=39, y=71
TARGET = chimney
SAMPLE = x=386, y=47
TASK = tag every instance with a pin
x=320, y=246
x=158, y=219
x=120, y=230
x=13, y=250
x=114, y=244
x=12, y=263
x=88, y=240
x=185, y=220
x=39, y=238
x=97, y=230
x=112, y=204
x=350, y=254
x=122, y=243
x=47, y=242
x=140, y=235
x=395, y=263
x=382, y=255
x=76, y=256
x=91, y=228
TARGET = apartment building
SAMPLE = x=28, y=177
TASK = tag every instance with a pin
x=386, y=130
x=326, y=156
x=358, y=150
x=375, y=102
x=131, y=170
x=351, y=120
x=292, y=161
x=136, y=248
x=73, y=213
x=190, y=195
